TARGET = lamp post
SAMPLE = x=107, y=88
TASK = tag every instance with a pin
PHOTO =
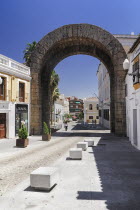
x=0, y=80
x=126, y=64
x=85, y=115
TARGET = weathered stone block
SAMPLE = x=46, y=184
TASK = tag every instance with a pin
x=75, y=153
x=90, y=142
x=83, y=145
x=44, y=178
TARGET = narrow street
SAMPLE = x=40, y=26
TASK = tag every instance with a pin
x=16, y=166
x=106, y=178
x=17, y=163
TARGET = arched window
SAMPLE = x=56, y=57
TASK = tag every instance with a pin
x=90, y=106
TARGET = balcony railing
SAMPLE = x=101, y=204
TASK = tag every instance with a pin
x=23, y=99
x=15, y=66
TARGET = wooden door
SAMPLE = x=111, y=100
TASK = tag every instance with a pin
x=2, y=125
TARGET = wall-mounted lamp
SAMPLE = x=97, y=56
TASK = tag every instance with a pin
x=126, y=64
x=0, y=80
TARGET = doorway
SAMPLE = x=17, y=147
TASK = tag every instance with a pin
x=2, y=125
x=135, y=126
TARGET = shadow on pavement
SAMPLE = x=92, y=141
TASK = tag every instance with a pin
x=118, y=165
x=31, y=189
x=79, y=130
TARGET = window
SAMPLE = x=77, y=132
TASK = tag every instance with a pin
x=97, y=117
x=106, y=114
x=125, y=90
x=2, y=88
x=21, y=91
x=90, y=117
x=136, y=70
x=90, y=106
x=100, y=112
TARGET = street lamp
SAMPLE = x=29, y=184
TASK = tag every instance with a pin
x=0, y=80
x=126, y=64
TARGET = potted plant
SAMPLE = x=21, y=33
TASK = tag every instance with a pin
x=22, y=141
x=46, y=132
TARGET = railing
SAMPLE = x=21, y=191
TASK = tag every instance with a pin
x=18, y=67
x=23, y=99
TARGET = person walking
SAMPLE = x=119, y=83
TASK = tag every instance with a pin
x=65, y=125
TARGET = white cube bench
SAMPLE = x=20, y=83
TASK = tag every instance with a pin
x=83, y=145
x=75, y=153
x=44, y=178
x=89, y=141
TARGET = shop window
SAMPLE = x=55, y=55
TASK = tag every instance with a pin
x=21, y=92
x=21, y=117
x=2, y=88
x=90, y=106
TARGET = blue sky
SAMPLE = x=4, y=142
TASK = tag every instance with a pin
x=23, y=21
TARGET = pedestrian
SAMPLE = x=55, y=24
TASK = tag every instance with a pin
x=95, y=121
x=65, y=125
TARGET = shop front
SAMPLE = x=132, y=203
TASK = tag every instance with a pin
x=21, y=117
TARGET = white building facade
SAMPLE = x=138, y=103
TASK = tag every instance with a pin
x=104, y=81
x=133, y=95
x=61, y=107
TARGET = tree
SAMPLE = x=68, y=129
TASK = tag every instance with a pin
x=54, y=89
x=67, y=116
x=28, y=52
x=81, y=115
x=55, y=95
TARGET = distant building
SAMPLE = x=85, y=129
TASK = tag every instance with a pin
x=91, y=113
x=104, y=81
x=61, y=107
x=126, y=40
x=14, y=97
x=104, y=95
x=75, y=106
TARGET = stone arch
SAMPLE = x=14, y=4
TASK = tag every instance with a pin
x=71, y=40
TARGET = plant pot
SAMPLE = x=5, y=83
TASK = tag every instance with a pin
x=22, y=142
x=46, y=137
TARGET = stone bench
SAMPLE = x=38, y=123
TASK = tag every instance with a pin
x=75, y=153
x=82, y=145
x=89, y=141
x=44, y=178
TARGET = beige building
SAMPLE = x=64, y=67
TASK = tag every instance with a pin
x=14, y=97
x=91, y=112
